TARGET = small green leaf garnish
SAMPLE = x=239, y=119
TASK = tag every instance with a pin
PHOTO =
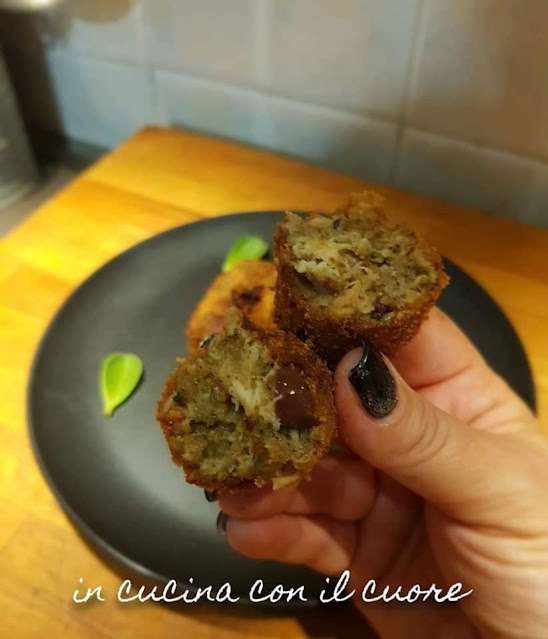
x=247, y=247
x=119, y=376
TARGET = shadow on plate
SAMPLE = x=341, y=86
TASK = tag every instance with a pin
x=331, y=621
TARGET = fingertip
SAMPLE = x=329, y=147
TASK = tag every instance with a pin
x=321, y=543
x=240, y=495
x=237, y=503
x=236, y=534
x=369, y=395
x=347, y=363
x=343, y=391
x=346, y=401
x=365, y=386
x=249, y=537
x=251, y=502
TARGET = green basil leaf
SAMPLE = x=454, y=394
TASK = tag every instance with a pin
x=119, y=376
x=247, y=247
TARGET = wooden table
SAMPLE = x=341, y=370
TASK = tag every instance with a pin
x=156, y=180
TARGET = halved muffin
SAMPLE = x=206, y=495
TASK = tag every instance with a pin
x=353, y=275
x=250, y=406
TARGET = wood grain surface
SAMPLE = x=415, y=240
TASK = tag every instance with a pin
x=156, y=180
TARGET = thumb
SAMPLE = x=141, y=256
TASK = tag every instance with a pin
x=393, y=428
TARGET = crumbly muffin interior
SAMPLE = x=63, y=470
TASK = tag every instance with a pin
x=355, y=261
x=229, y=427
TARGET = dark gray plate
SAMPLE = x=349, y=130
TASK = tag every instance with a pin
x=114, y=477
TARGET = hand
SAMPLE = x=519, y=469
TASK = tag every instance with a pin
x=449, y=484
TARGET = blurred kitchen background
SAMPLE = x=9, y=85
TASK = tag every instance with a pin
x=443, y=97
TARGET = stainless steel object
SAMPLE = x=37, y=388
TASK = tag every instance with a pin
x=28, y=5
x=18, y=173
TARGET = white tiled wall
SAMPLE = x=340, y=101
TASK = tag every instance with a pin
x=459, y=171
x=212, y=38
x=348, y=54
x=445, y=97
x=481, y=73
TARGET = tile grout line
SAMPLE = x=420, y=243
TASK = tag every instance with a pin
x=260, y=121
x=258, y=92
x=410, y=74
x=156, y=112
x=261, y=16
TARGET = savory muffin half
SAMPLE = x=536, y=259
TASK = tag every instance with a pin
x=249, y=406
x=353, y=275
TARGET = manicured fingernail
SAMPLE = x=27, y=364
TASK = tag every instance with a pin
x=373, y=383
x=222, y=521
x=210, y=495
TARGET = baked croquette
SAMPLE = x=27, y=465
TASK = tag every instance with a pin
x=249, y=286
x=353, y=274
x=250, y=406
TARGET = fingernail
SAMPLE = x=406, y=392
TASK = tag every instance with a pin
x=373, y=383
x=210, y=495
x=221, y=523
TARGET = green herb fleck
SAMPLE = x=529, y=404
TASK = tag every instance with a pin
x=119, y=376
x=247, y=247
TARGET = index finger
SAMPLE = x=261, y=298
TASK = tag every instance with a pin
x=342, y=486
x=439, y=351
x=443, y=365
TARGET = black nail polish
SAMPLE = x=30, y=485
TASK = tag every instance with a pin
x=210, y=495
x=373, y=383
x=221, y=523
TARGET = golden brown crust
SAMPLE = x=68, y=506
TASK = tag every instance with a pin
x=249, y=286
x=286, y=350
x=332, y=337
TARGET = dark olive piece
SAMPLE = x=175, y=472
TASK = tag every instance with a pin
x=294, y=404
